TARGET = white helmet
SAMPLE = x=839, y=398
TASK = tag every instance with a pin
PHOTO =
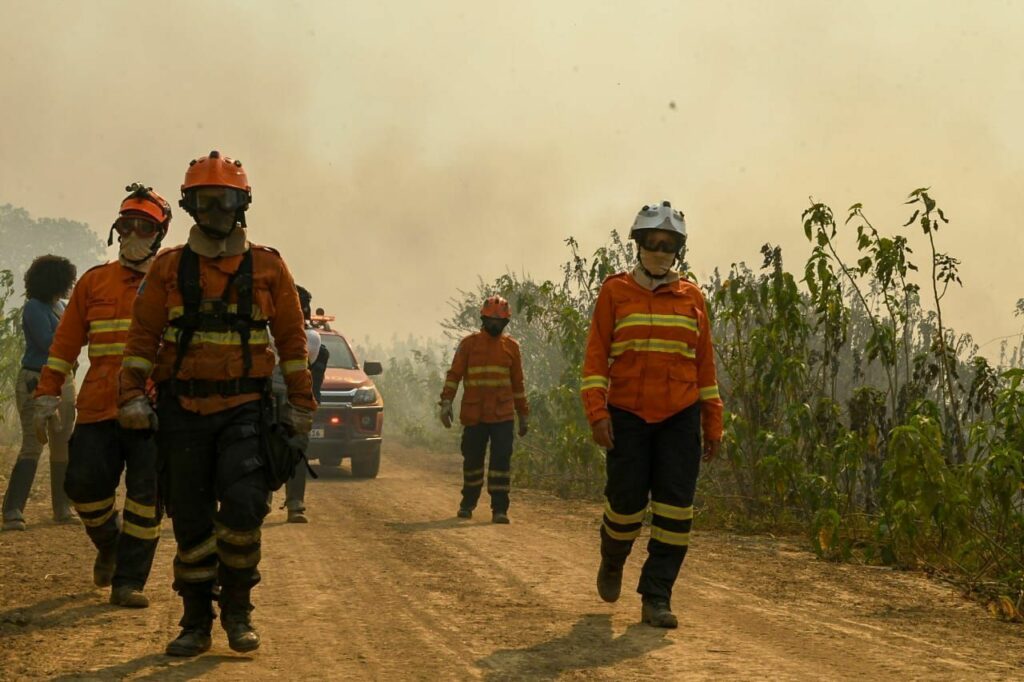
x=659, y=217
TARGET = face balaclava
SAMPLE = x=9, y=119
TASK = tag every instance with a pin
x=656, y=264
x=136, y=252
x=494, y=326
x=235, y=244
x=216, y=223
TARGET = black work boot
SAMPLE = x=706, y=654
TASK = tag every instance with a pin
x=103, y=567
x=196, y=626
x=464, y=513
x=235, y=618
x=297, y=516
x=58, y=498
x=129, y=597
x=656, y=611
x=609, y=580
x=500, y=517
x=18, y=488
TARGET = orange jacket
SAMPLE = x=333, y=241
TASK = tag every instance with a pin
x=99, y=313
x=216, y=356
x=491, y=370
x=650, y=353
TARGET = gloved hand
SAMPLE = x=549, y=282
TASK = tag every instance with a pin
x=524, y=426
x=297, y=419
x=137, y=414
x=601, y=431
x=446, y=413
x=44, y=408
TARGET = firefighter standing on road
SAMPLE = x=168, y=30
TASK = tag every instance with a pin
x=200, y=331
x=649, y=389
x=99, y=314
x=490, y=367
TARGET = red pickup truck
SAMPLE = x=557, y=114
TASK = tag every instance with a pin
x=349, y=422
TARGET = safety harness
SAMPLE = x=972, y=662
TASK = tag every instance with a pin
x=215, y=316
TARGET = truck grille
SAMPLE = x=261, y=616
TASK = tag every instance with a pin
x=337, y=397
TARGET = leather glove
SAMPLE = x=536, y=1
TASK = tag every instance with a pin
x=446, y=413
x=44, y=409
x=137, y=414
x=298, y=420
x=524, y=426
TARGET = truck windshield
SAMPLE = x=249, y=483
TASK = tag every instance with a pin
x=341, y=354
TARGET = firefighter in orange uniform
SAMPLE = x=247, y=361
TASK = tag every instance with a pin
x=201, y=332
x=98, y=314
x=491, y=369
x=649, y=391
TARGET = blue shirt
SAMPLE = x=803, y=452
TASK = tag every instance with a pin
x=39, y=322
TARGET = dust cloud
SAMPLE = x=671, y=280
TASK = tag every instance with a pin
x=400, y=150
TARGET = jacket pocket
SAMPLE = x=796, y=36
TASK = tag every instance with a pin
x=504, y=408
x=624, y=387
x=682, y=384
x=471, y=410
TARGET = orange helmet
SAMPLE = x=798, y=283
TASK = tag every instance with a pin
x=146, y=201
x=215, y=170
x=496, y=306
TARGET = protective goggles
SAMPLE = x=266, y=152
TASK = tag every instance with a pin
x=226, y=199
x=126, y=225
x=660, y=243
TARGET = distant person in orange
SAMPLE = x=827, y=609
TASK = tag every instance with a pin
x=489, y=365
x=47, y=280
x=650, y=391
x=98, y=315
x=201, y=331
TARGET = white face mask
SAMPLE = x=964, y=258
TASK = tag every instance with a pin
x=657, y=263
x=135, y=248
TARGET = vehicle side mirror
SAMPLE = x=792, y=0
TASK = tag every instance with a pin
x=372, y=369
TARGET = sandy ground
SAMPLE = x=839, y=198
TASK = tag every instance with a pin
x=385, y=584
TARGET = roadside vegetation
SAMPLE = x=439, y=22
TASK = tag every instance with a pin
x=856, y=414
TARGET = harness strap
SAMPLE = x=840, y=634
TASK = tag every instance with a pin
x=194, y=319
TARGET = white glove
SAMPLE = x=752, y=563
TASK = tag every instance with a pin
x=447, y=416
x=298, y=419
x=44, y=408
x=137, y=414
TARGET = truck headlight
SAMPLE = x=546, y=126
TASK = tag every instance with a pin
x=365, y=396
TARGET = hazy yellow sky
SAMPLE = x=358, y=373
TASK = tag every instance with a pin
x=397, y=150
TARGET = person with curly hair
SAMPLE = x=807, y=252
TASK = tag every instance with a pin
x=48, y=279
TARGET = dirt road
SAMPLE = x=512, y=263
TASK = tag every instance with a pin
x=385, y=584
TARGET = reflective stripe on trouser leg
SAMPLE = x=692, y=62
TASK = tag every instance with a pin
x=627, y=490
x=238, y=549
x=499, y=476
x=619, y=528
x=100, y=520
x=474, y=452
x=94, y=471
x=674, y=471
x=196, y=563
x=140, y=530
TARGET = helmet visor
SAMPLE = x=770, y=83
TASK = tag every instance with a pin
x=226, y=199
x=661, y=240
x=128, y=224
